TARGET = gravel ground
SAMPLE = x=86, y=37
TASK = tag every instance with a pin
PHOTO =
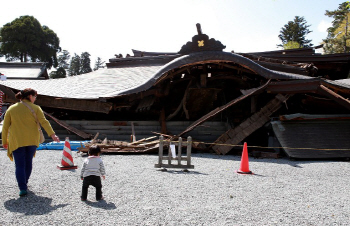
x=281, y=192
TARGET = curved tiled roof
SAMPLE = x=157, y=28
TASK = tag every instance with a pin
x=343, y=83
x=216, y=56
x=101, y=83
x=18, y=70
x=113, y=82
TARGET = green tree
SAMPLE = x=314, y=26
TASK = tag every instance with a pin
x=295, y=31
x=337, y=40
x=85, y=63
x=26, y=40
x=291, y=45
x=1, y=55
x=74, y=66
x=99, y=64
x=60, y=73
x=63, y=59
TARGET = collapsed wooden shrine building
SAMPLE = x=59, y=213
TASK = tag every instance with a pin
x=295, y=99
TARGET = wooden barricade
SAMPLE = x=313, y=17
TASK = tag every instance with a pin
x=177, y=163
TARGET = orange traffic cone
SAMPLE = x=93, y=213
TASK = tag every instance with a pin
x=244, y=169
x=67, y=159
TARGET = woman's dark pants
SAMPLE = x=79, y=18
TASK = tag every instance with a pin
x=94, y=181
x=24, y=162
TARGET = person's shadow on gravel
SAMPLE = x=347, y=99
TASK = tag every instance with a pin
x=102, y=204
x=31, y=204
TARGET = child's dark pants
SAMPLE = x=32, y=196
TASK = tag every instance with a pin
x=94, y=181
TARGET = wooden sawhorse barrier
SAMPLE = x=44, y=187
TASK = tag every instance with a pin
x=178, y=159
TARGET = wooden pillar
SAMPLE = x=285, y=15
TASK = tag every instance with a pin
x=161, y=144
x=189, y=147
x=169, y=154
x=179, y=151
x=133, y=137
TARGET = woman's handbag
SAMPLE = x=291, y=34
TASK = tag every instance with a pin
x=42, y=138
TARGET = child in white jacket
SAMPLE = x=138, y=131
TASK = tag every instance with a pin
x=91, y=173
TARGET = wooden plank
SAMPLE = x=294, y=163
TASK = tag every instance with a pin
x=176, y=158
x=181, y=103
x=74, y=104
x=70, y=128
x=334, y=96
x=220, y=109
x=247, y=127
x=143, y=140
x=174, y=166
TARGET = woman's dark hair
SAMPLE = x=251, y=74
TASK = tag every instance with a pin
x=24, y=94
x=94, y=150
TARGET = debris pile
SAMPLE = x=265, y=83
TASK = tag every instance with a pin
x=146, y=145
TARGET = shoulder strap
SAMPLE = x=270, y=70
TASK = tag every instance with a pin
x=31, y=109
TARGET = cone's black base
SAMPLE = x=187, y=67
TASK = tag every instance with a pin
x=67, y=167
x=241, y=172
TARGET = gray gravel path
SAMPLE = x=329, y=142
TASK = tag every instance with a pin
x=282, y=192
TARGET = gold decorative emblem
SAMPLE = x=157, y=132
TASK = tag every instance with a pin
x=201, y=43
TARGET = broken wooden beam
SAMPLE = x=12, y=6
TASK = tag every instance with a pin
x=70, y=128
x=247, y=127
x=221, y=108
x=334, y=96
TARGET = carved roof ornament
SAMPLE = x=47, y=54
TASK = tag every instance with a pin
x=201, y=42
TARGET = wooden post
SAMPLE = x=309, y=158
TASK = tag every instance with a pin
x=189, y=147
x=179, y=151
x=133, y=132
x=170, y=157
x=161, y=144
x=169, y=153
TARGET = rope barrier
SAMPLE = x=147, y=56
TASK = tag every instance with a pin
x=234, y=145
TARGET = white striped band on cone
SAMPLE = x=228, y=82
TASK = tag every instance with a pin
x=67, y=159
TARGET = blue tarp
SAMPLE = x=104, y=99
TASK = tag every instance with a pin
x=59, y=146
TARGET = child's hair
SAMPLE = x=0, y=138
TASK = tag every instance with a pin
x=94, y=150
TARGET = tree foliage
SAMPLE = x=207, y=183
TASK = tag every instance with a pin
x=99, y=64
x=74, y=67
x=80, y=64
x=63, y=59
x=338, y=40
x=295, y=31
x=60, y=73
x=26, y=40
x=85, y=63
x=291, y=45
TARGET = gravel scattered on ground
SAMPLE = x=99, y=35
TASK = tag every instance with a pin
x=281, y=192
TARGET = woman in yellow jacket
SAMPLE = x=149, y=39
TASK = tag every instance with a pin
x=20, y=135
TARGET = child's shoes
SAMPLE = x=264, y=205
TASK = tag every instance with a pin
x=22, y=192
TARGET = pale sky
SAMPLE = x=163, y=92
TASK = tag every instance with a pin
x=104, y=28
